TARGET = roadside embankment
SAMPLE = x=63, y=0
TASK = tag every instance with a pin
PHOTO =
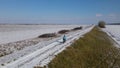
x=94, y=50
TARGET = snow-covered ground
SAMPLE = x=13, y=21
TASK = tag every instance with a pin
x=15, y=49
x=12, y=33
x=114, y=32
x=41, y=56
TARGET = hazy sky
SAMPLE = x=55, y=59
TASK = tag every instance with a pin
x=59, y=11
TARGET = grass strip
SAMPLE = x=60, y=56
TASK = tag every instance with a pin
x=94, y=50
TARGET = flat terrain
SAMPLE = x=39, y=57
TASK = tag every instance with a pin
x=114, y=32
x=13, y=33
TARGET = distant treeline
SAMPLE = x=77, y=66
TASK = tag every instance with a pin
x=113, y=24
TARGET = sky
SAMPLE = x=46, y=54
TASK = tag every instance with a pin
x=59, y=11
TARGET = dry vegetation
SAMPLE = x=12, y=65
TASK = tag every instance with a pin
x=48, y=35
x=94, y=50
x=77, y=28
x=101, y=24
x=8, y=48
x=63, y=31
